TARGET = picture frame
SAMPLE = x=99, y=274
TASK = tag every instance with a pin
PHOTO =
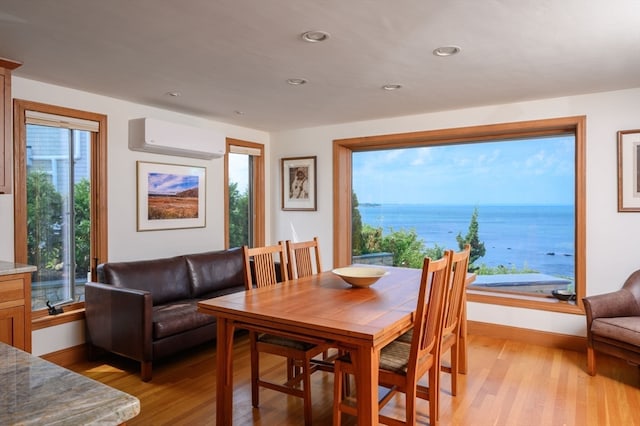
x=629, y=170
x=170, y=196
x=299, y=183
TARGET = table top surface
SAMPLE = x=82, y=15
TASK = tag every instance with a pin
x=324, y=305
x=38, y=392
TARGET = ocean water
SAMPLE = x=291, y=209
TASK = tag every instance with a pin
x=538, y=237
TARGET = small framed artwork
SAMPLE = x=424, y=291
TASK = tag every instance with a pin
x=629, y=171
x=170, y=196
x=299, y=183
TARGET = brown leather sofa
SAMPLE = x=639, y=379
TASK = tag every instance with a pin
x=146, y=310
x=613, y=323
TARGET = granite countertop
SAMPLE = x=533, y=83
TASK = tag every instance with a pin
x=38, y=392
x=8, y=268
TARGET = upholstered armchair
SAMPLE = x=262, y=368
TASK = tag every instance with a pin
x=613, y=323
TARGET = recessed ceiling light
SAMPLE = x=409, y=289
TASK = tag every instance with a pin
x=446, y=51
x=174, y=94
x=296, y=81
x=390, y=87
x=315, y=36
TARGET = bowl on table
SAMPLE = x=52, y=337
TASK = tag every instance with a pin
x=360, y=276
x=562, y=294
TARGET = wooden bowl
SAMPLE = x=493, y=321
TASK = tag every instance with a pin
x=360, y=276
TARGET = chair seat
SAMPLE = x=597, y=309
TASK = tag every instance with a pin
x=626, y=329
x=395, y=357
x=285, y=342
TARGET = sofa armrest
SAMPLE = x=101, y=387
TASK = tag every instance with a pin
x=119, y=320
x=619, y=303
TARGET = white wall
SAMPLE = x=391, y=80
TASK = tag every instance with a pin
x=125, y=243
x=611, y=236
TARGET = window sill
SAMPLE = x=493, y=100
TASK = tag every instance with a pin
x=523, y=301
x=40, y=322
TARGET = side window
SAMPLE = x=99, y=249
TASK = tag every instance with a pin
x=60, y=204
x=244, y=193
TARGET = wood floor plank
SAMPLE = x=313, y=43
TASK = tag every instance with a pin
x=509, y=383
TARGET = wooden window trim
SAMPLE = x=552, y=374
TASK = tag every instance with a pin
x=99, y=218
x=342, y=188
x=258, y=192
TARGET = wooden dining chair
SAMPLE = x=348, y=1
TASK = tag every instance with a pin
x=303, y=260
x=403, y=364
x=299, y=256
x=260, y=267
x=459, y=264
x=297, y=353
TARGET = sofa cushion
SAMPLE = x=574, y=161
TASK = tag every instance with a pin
x=166, y=279
x=626, y=329
x=177, y=317
x=222, y=292
x=214, y=271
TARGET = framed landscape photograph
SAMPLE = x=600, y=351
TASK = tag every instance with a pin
x=299, y=183
x=628, y=171
x=170, y=196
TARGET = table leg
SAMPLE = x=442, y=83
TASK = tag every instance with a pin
x=367, y=362
x=224, y=368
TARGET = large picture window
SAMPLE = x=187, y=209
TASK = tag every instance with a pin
x=514, y=191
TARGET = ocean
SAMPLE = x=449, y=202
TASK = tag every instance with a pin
x=540, y=237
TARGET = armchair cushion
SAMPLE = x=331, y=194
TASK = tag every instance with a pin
x=625, y=329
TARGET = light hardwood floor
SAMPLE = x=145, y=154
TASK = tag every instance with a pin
x=509, y=383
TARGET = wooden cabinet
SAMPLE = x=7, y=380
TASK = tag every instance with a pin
x=6, y=144
x=15, y=310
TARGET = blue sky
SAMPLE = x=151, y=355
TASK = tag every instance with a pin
x=539, y=171
x=166, y=183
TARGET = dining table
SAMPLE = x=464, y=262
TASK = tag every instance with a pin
x=322, y=307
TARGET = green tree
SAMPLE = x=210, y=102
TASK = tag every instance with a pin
x=357, y=243
x=477, y=247
x=82, y=218
x=44, y=222
x=370, y=239
x=408, y=250
x=238, y=216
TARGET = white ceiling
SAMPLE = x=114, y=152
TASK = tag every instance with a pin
x=225, y=56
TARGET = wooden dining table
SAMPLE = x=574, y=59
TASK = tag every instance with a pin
x=325, y=308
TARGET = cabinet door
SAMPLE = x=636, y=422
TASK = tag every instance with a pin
x=12, y=327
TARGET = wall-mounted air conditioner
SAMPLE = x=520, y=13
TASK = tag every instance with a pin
x=161, y=137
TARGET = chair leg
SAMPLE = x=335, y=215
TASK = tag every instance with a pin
x=591, y=361
x=255, y=370
x=410, y=402
x=454, y=369
x=338, y=377
x=434, y=395
x=306, y=390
